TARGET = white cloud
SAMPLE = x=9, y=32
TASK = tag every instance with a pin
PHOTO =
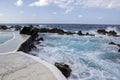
x=19, y=3
x=21, y=12
x=40, y=3
x=54, y=13
x=1, y=14
x=69, y=5
x=80, y=16
x=99, y=18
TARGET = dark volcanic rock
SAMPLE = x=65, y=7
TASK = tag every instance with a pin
x=40, y=39
x=3, y=27
x=26, y=30
x=119, y=50
x=69, y=33
x=88, y=34
x=112, y=43
x=26, y=46
x=112, y=33
x=44, y=30
x=17, y=27
x=64, y=68
x=109, y=33
x=79, y=33
x=102, y=31
x=118, y=45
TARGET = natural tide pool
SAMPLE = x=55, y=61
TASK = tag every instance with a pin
x=5, y=36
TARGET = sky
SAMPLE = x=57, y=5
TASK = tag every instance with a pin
x=60, y=11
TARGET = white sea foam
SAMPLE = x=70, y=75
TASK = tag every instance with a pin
x=90, y=58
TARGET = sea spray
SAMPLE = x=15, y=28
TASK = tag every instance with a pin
x=90, y=58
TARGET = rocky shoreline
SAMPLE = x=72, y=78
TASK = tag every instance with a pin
x=28, y=45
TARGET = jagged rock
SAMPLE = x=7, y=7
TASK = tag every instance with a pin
x=40, y=39
x=102, y=31
x=26, y=30
x=112, y=43
x=3, y=27
x=44, y=30
x=64, y=68
x=28, y=44
x=118, y=45
x=68, y=33
x=88, y=34
x=55, y=30
x=119, y=50
x=112, y=33
x=17, y=27
x=79, y=33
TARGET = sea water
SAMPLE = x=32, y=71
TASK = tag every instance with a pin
x=5, y=36
x=89, y=57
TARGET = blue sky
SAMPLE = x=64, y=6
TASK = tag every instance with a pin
x=60, y=11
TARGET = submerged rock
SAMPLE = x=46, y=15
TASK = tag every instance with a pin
x=64, y=68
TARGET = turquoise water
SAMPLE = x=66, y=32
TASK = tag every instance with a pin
x=5, y=37
x=89, y=57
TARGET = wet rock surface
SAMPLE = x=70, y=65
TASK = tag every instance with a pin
x=112, y=43
x=109, y=33
x=64, y=68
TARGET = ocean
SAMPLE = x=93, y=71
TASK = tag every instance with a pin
x=89, y=57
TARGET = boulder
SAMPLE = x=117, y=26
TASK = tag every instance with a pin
x=26, y=30
x=56, y=30
x=112, y=43
x=119, y=50
x=112, y=33
x=79, y=33
x=44, y=30
x=3, y=27
x=64, y=68
x=102, y=31
x=17, y=27
x=88, y=34
x=69, y=33
x=118, y=45
x=40, y=39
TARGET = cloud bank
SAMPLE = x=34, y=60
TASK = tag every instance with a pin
x=19, y=3
x=69, y=5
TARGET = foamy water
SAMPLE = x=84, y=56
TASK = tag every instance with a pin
x=89, y=57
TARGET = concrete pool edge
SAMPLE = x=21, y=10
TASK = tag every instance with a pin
x=56, y=73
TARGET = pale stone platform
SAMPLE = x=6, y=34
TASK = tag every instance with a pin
x=14, y=43
x=17, y=66
x=21, y=66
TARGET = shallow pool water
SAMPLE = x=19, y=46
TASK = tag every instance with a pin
x=5, y=36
